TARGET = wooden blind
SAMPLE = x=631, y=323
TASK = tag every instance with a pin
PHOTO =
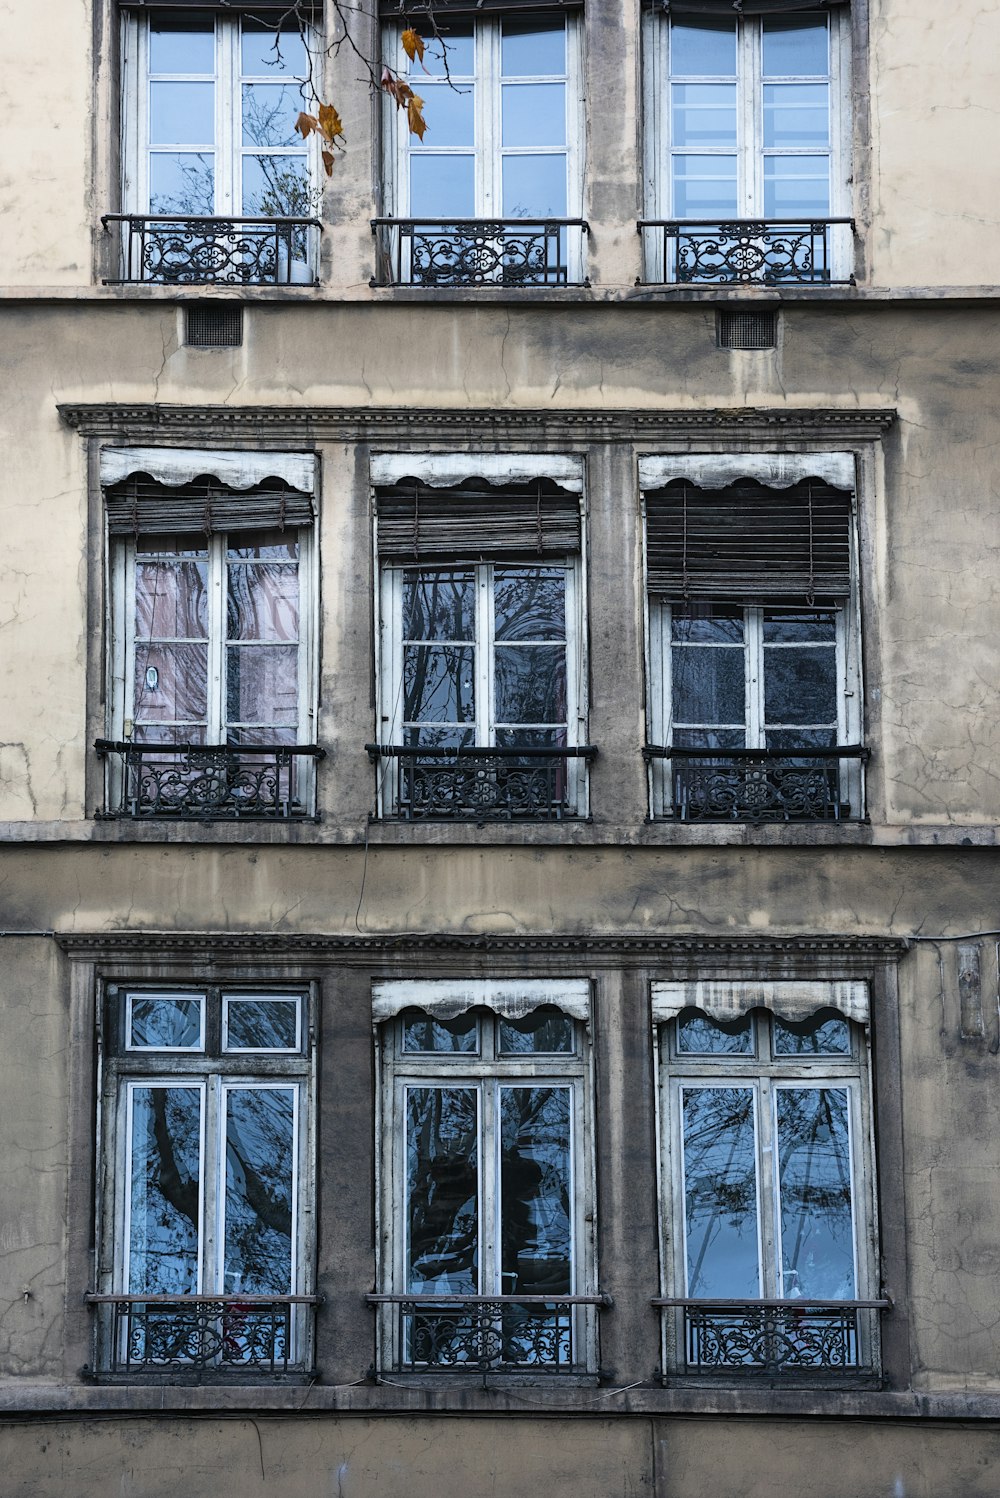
x=749, y=541
x=476, y=521
x=140, y=506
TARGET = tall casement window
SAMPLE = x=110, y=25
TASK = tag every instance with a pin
x=755, y=695
x=209, y=149
x=482, y=710
x=206, y=1255
x=487, y=1206
x=748, y=160
x=493, y=191
x=767, y=1188
x=213, y=618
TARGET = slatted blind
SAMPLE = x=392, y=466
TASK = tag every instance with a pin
x=140, y=506
x=476, y=522
x=749, y=541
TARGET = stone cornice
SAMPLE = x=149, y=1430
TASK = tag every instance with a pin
x=310, y=424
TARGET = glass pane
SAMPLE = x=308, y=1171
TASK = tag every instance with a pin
x=262, y=1024
x=784, y=627
x=450, y=114
x=814, y=1178
x=534, y=114
x=536, y=1243
x=442, y=186
x=262, y=546
x=438, y=684
x=261, y=58
x=182, y=182
x=160, y=1023
x=269, y=114
x=442, y=1190
x=182, y=46
x=171, y=683
x=800, y=684
x=262, y=684
x=796, y=48
x=171, y=600
x=796, y=114
x=438, y=738
x=796, y=187
x=439, y=606
x=709, y=738
x=534, y=186
x=530, y=603
x=460, y=50
x=822, y=1035
x=530, y=684
x=708, y=684
x=421, y=1033
x=697, y=1035
x=707, y=50
x=720, y=1192
x=712, y=626
x=532, y=51
x=803, y=738
x=181, y=114
x=277, y=187
x=546, y=1031
x=703, y=115
x=263, y=601
x=704, y=187
x=531, y=738
x=165, y=1195
x=260, y=1173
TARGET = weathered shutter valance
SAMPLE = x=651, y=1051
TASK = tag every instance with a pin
x=789, y=1000
x=445, y=470
x=164, y=491
x=234, y=470
x=776, y=470
x=476, y=521
x=446, y=999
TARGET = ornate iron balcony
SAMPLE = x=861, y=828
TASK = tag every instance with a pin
x=748, y=252
x=203, y=1336
x=478, y=252
x=482, y=784
x=184, y=250
x=487, y=1334
x=774, y=1336
x=760, y=785
x=204, y=782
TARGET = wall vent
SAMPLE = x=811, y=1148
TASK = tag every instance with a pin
x=213, y=327
x=747, y=329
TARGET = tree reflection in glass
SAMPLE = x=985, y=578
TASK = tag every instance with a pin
x=442, y=1190
x=165, y=1186
x=814, y=1173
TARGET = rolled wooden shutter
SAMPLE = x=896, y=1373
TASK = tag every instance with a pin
x=140, y=506
x=749, y=541
x=476, y=522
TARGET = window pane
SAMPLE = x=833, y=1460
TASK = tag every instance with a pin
x=828, y=1035
x=796, y=114
x=438, y=684
x=262, y=684
x=796, y=47
x=442, y=1190
x=260, y=1170
x=277, y=187
x=530, y=684
x=182, y=114
x=262, y=1024
x=704, y=51
x=171, y=683
x=450, y=114
x=530, y=603
x=814, y=1177
x=269, y=114
x=800, y=684
x=535, y=1191
x=165, y=1196
x=711, y=625
x=545, y=1031
x=260, y=57
x=784, y=627
x=708, y=684
x=534, y=186
x=460, y=50
x=698, y=1035
x=263, y=601
x=439, y=606
x=534, y=114
x=171, y=600
x=160, y=1022
x=442, y=186
x=703, y=115
x=709, y=738
x=720, y=1192
x=182, y=46
x=182, y=182
x=796, y=186
x=421, y=1033
x=532, y=51
x=704, y=186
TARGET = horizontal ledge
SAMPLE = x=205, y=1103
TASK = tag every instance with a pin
x=480, y=751
x=433, y=1301
x=207, y=221
x=668, y=751
x=802, y=1304
x=479, y=225
x=228, y=751
x=94, y=1299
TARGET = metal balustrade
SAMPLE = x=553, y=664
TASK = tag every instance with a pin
x=203, y=1336
x=187, y=250
x=748, y=252
x=204, y=782
x=481, y=784
x=479, y=252
x=759, y=785
x=774, y=1336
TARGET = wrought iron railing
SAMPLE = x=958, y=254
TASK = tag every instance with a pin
x=748, y=252
x=775, y=1336
x=479, y=252
x=760, y=785
x=487, y=1334
x=204, y=1336
x=202, y=782
x=186, y=250
x=480, y=784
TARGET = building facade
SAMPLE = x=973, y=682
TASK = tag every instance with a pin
x=498, y=796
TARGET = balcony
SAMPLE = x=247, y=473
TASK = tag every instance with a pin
x=182, y=250
x=203, y=1338
x=445, y=253
x=482, y=784
x=748, y=252
x=776, y=1337
x=758, y=785
x=208, y=782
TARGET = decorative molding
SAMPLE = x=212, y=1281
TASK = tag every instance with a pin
x=336, y=423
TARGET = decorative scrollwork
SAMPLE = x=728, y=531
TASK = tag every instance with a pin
x=771, y=1338
x=765, y=790
x=486, y=1337
x=756, y=253
x=482, y=786
x=477, y=252
x=197, y=1335
x=217, y=251
x=197, y=783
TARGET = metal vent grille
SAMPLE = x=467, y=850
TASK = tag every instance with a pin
x=213, y=327
x=747, y=329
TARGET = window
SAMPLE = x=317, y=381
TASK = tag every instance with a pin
x=767, y=1191
x=503, y=145
x=488, y=1198
x=748, y=164
x=206, y=1263
x=213, y=622
x=481, y=644
x=755, y=708
x=209, y=114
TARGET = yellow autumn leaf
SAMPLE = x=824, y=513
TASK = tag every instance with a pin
x=414, y=116
x=306, y=124
x=413, y=44
x=328, y=159
x=330, y=122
